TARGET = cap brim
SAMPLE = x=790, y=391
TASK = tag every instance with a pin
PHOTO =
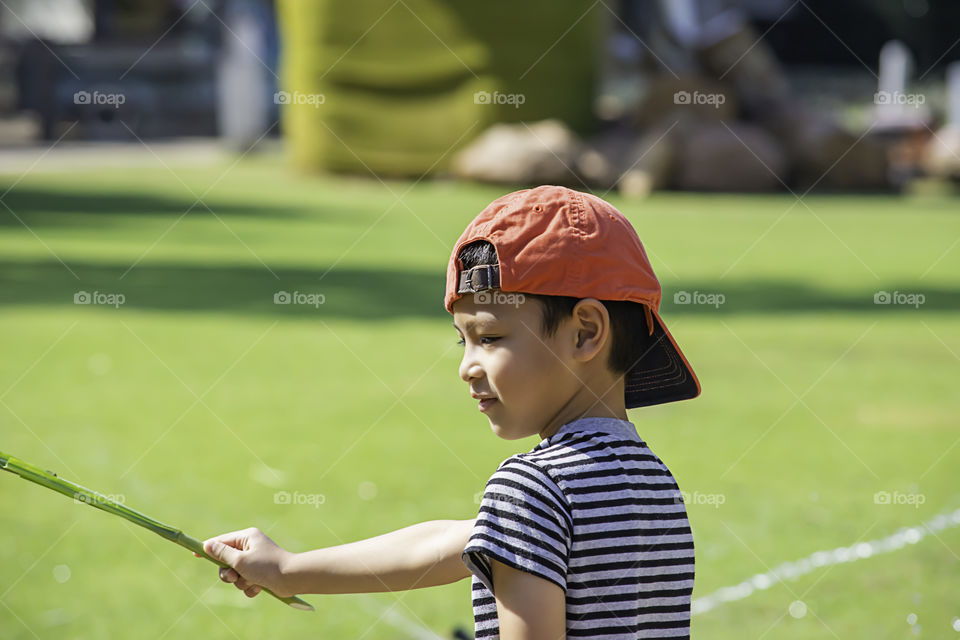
x=662, y=374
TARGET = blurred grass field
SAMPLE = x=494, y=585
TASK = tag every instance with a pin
x=199, y=399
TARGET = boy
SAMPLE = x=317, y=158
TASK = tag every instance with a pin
x=556, y=307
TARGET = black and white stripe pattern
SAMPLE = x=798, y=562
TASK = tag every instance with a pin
x=593, y=510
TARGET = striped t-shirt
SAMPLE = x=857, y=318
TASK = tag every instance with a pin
x=593, y=510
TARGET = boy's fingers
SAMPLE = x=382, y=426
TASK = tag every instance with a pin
x=252, y=591
x=228, y=575
x=220, y=551
x=235, y=539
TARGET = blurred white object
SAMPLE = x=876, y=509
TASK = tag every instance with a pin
x=941, y=157
x=539, y=153
x=59, y=21
x=243, y=85
x=701, y=23
x=895, y=108
x=953, y=94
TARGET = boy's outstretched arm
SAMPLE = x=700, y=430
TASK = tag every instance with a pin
x=421, y=555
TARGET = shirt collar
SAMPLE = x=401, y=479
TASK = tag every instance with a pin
x=595, y=425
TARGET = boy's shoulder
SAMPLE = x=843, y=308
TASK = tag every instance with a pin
x=579, y=474
x=590, y=441
x=525, y=472
x=574, y=457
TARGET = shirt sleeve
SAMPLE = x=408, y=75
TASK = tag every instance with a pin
x=524, y=522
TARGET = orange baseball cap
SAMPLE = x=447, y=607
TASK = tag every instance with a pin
x=554, y=241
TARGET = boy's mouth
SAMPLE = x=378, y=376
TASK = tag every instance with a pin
x=485, y=401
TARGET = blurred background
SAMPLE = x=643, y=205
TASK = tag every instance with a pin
x=719, y=95
x=223, y=238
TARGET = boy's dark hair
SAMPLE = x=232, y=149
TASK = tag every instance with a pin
x=627, y=320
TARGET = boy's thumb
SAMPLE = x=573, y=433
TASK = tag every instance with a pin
x=220, y=551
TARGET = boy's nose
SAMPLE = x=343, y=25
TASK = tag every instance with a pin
x=469, y=369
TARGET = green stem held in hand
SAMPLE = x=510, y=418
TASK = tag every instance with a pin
x=50, y=480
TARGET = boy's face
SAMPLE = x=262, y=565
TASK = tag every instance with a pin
x=521, y=378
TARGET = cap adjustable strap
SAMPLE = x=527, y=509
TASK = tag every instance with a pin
x=479, y=278
x=649, y=317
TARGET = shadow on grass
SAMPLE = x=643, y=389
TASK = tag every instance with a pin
x=40, y=208
x=234, y=289
x=373, y=294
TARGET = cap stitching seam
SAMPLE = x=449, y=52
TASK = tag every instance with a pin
x=577, y=275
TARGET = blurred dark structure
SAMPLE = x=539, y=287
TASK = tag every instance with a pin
x=122, y=69
x=929, y=28
x=591, y=89
x=742, y=95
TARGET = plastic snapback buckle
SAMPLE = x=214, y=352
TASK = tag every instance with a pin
x=479, y=278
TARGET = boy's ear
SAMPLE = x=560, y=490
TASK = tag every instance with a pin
x=592, y=325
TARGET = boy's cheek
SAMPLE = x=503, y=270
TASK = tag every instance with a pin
x=509, y=377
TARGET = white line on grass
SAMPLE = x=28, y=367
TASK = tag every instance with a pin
x=410, y=628
x=793, y=570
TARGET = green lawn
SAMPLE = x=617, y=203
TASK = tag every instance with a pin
x=199, y=399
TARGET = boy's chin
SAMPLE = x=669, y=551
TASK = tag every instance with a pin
x=504, y=431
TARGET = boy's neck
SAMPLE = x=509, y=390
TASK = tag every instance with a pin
x=589, y=403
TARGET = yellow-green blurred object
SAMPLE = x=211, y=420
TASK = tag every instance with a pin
x=399, y=80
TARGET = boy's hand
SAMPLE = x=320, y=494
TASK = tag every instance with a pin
x=257, y=561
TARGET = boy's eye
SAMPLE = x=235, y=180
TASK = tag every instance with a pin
x=482, y=340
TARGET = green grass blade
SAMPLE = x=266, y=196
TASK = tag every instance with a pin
x=92, y=498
